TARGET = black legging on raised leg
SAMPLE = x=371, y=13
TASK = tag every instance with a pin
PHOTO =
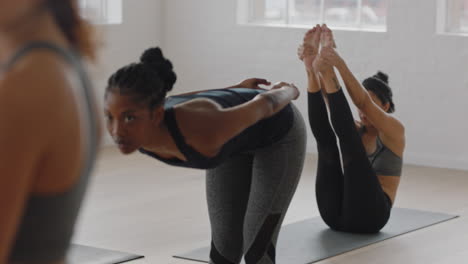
x=349, y=197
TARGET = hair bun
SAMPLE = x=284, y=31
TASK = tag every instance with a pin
x=381, y=76
x=154, y=59
x=152, y=56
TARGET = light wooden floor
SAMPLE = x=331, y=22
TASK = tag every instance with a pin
x=140, y=205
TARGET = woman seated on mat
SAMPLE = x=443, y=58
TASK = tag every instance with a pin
x=48, y=135
x=358, y=196
x=250, y=141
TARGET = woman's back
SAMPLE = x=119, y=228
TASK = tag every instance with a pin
x=45, y=97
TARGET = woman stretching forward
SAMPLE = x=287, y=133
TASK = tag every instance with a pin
x=250, y=141
x=358, y=195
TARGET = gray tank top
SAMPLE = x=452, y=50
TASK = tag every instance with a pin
x=47, y=225
x=384, y=161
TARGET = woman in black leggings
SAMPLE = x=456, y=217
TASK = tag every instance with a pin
x=354, y=193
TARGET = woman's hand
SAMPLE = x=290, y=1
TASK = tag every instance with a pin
x=331, y=57
x=328, y=57
x=328, y=52
x=286, y=85
x=321, y=65
x=253, y=83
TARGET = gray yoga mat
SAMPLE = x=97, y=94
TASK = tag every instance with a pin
x=79, y=254
x=311, y=240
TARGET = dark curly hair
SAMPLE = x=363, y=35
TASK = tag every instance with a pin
x=147, y=81
x=378, y=84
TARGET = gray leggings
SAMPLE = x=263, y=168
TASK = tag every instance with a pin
x=248, y=197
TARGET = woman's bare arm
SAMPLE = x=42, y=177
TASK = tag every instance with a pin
x=20, y=147
x=207, y=125
x=385, y=123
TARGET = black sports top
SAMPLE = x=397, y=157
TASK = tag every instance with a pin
x=261, y=134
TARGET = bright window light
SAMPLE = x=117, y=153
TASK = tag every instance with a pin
x=102, y=11
x=353, y=14
x=453, y=16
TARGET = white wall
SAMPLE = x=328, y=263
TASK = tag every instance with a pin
x=141, y=28
x=428, y=72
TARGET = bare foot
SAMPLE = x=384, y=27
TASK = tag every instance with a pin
x=326, y=38
x=326, y=41
x=309, y=50
x=312, y=38
x=322, y=63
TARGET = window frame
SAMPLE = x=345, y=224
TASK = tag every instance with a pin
x=246, y=16
x=446, y=21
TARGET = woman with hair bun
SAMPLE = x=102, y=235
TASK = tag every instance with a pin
x=49, y=131
x=250, y=141
x=354, y=193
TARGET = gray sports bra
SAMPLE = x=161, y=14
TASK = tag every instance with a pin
x=48, y=221
x=384, y=161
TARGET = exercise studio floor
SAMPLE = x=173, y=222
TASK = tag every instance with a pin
x=138, y=205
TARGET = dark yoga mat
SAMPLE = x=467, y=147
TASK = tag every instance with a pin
x=79, y=254
x=311, y=240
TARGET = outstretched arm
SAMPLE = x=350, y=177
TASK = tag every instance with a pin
x=385, y=123
x=207, y=126
x=358, y=94
x=278, y=97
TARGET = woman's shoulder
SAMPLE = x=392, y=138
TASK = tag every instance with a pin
x=39, y=68
x=36, y=87
x=396, y=142
x=397, y=132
